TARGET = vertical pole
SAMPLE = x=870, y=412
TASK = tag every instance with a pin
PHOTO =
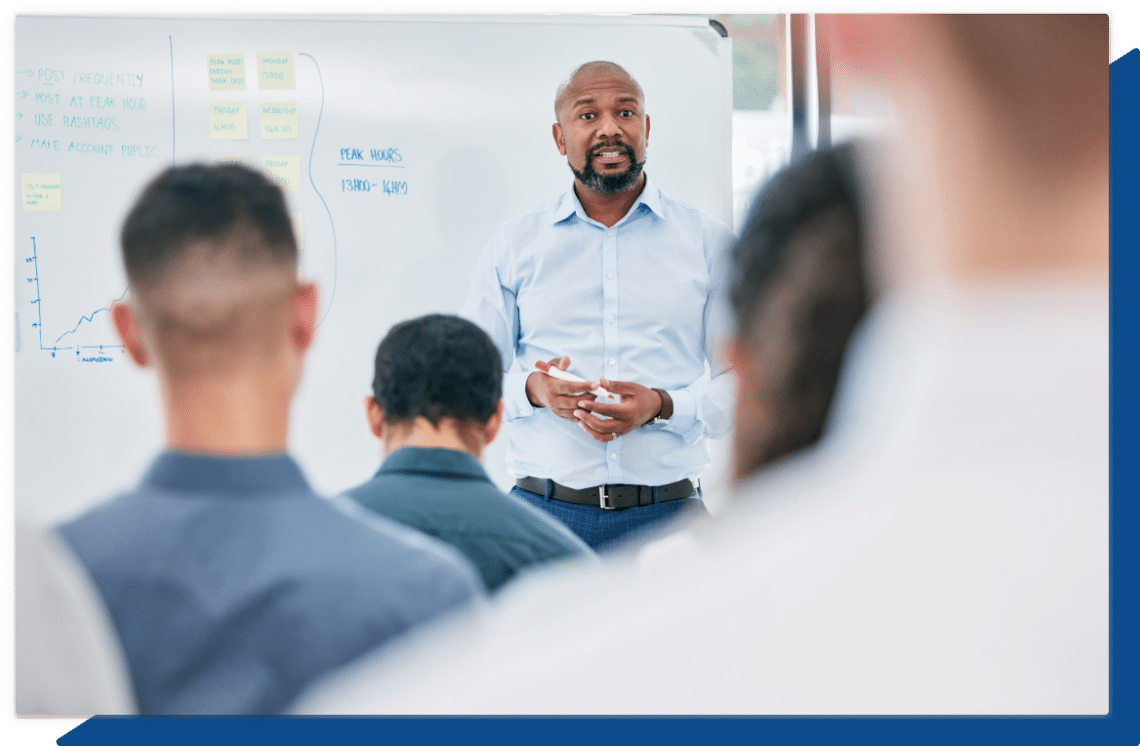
x=798, y=59
x=823, y=72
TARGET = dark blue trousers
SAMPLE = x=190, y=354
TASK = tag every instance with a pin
x=599, y=527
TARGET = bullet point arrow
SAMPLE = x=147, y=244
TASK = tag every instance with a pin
x=23, y=94
x=29, y=73
x=18, y=138
x=19, y=115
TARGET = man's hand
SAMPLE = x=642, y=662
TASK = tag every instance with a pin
x=638, y=405
x=560, y=397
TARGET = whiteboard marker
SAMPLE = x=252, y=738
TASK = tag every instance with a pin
x=563, y=375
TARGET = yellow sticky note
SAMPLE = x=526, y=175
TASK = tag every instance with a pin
x=41, y=192
x=228, y=120
x=241, y=158
x=298, y=230
x=226, y=71
x=279, y=120
x=275, y=70
x=284, y=170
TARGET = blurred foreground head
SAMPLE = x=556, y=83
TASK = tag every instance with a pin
x=211, y=261
x=797, y=293
x=999, y=167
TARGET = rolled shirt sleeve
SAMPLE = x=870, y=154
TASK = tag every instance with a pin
x=704, y=408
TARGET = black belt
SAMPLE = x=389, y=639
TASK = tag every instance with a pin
x=609, y=496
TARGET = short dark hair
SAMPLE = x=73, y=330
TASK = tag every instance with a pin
x=184, y=204
x=801, y=255
x=437, y=366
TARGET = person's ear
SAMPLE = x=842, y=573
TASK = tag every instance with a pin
x=738, y=356
x=647, y=130
x=752, y=419
x=127, y=325
x=375, y=416
x=749, y=386
x=304, y=315
x=491, y=429
x=559, y=138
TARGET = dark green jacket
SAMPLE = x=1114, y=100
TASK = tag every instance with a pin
x=447, y=494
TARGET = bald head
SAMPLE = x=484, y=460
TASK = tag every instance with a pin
x=597, y=68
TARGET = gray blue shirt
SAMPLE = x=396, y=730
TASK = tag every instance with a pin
x=231, y=585
x=640, y=301
x=447, y=494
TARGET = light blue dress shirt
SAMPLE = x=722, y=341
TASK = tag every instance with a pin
x=640, y=301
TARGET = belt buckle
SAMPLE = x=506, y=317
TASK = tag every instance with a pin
x=603, y=497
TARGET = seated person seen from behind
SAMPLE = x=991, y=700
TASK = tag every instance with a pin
x=229, y=583
x=797, y=294
x=435, y=405
x=945, y=548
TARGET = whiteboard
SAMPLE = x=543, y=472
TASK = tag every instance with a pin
x=401, y=141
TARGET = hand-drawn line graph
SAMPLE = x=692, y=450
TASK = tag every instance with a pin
x=55, y=347
x=87, y=318
x=38, y=324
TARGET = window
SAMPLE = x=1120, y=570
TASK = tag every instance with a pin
x=761, y=129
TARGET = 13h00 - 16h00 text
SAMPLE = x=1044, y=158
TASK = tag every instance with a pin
x=384, y=186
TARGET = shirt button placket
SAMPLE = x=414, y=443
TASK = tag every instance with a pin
x=611, y=358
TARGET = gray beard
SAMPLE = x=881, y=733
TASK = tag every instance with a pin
x=603, y=184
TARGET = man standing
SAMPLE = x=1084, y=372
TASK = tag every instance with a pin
x=230, y=584
x=435, y=406
x=945, y=548
x=614, y=280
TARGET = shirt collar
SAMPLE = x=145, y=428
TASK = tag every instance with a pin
x=570, y=204
x=434, y=462
x=180, y=470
